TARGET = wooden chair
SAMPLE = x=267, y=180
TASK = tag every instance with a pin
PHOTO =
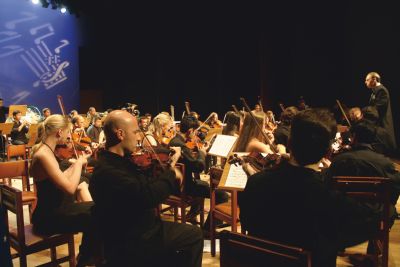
x=238, y=250
x=24, y=241
x=16, y=151
x=183, y=201
x=376, y=190
x=19, y=169
x=227, y=212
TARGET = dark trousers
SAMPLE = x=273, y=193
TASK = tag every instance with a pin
x=73, y=218
x=201, y=188
x=173, y=245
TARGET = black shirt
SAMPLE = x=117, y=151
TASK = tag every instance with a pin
x=292, y=204
x=125, y=198
x=3, y=113
x=19, y=135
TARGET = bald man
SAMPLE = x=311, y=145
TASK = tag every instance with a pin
x=125, y=201
x=380, y=100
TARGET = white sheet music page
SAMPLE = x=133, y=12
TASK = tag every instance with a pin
x=222, y=145
x=236, y=178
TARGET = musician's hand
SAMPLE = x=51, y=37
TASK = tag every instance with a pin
x=325, y=163
x=248, y=169
x=175, y=157
x=88, y=152
x=94, y=145
x=281, y=149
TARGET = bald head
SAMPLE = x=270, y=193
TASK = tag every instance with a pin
x=116, y=126
x=372, y=80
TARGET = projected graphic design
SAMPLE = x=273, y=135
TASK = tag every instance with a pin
x=38, y=55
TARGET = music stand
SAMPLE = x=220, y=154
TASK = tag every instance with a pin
x=22, y=108
x=5, y=128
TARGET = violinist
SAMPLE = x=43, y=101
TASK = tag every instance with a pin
x=19, y=129
x=144, y=123
x=325, y=221
x=282, y=132
x=194, y=165
x=161, y=131
x=91, y=114
x=94, y=130
x=251, y=138
x=73, y=114
x=270, y=123
x=57, y=211
x=118, y=187
x=213, y=121
x=233, y=123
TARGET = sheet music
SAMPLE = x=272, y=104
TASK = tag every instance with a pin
x=236, y=178
x=222, y=145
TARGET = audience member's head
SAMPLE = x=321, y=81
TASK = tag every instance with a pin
x=312, y=132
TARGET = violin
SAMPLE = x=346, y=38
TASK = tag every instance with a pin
x=84, y=141
x=167, y=136
x=257, y=160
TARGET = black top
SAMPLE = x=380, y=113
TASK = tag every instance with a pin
x=292, y=205
x=282, y=134
x=380, y=99
x=118, y=188
x=19, y=135
x=193, y=163
x=3, y=113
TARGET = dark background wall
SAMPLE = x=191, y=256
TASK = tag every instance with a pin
x=156, y=55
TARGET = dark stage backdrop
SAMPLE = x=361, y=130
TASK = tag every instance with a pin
x=38, y=55
x=161, y=54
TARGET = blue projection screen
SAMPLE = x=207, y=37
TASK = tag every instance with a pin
x=38, y=56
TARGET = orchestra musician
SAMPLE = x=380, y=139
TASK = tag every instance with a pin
x=194, y=165
x=233, y=123
x=19, y=129
x=73, y=114
x=91, y=115
x=94, y=130
x=213, y=121
x=282, y=132
x=325, y=221
x=46, y=113
x=251, y=138
x=119, y=187
x=57, y=210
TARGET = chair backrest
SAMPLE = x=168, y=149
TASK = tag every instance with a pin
x=375, y=190
x=12, y=169
x=11, y=200
x=238, y=250
x=16, y=151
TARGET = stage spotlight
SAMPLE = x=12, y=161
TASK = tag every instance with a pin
x=63, y=10
x=35, y=2
x=44, y=3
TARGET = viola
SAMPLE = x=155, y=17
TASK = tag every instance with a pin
x=257, y=160
x=153, y=162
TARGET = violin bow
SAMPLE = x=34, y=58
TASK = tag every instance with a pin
x=236, y=111
x=270, y=143
x=343, y=113
x=61, y=104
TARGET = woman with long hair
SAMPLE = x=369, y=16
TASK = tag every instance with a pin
x=56, y=211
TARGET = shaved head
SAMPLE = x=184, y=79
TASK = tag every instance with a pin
x=116, y=123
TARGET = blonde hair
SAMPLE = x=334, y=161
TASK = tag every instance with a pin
x=50, y=126
x=158, y=122
x=249, y=131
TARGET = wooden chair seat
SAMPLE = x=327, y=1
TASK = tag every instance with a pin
x=31, y=238
x=238, y=250
x=23, y=240
x=226, y=208
x=19, y=169
x=28, y=196
x=182, y=202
